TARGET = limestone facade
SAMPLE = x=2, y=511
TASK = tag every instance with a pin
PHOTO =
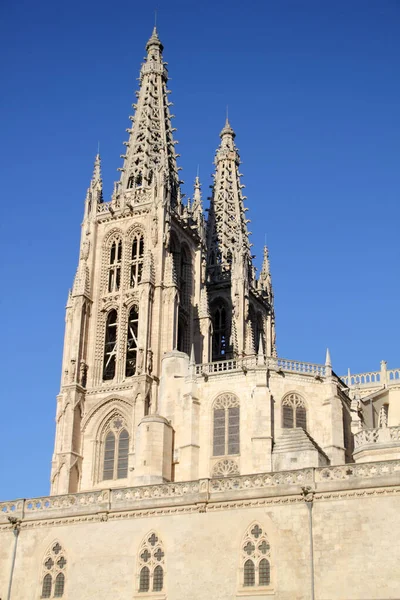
x=185, y=446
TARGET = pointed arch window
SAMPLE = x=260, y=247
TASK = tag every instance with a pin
x=130, y=183
x=53, y=572
x=226, y=425
x=151, y=567
x=137, y=257
x=220, y=339
x=255, y=559
x=132, y=342
x=294, y=413
x=114, y=266
x=116, y=450
x=110, y=346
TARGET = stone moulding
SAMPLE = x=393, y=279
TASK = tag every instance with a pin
x=203, y=491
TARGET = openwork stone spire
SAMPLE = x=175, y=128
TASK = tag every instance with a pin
x=227, y=235
x=151, y=147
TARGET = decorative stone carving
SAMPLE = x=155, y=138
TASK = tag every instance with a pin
x=225, y=468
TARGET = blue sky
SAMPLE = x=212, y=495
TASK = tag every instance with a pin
x=313, y=92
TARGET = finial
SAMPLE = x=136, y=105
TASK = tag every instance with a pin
x=155, y=18
x=328, y=362
x=98, y=148
x=154, y=40
x=227, y=129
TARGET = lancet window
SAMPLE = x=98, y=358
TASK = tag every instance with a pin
x=294, y=412
x=116, y=449
x=114, y=266
x=221, y=331
x=226, y=425
x=151, y=564
x=132, y=342
x=255, y=558
x=53, y=572
x=110, y=345
x=137, y=257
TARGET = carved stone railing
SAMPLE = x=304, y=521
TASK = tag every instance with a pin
x=380, y=435
x=216, y=489
x=250, y=362
x=295, y=366
x=373, y=379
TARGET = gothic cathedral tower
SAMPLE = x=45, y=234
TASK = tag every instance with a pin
x=153, y=281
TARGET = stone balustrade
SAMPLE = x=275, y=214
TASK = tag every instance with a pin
x=203, y=490
x=250, y=362
x=373, y=379
x=379, y=435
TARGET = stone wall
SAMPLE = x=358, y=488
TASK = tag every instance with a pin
x=202, y=523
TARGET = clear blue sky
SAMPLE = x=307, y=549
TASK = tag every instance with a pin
x=313, y=90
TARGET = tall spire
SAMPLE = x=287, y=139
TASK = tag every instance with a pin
x=151, y=146
x=227, y=226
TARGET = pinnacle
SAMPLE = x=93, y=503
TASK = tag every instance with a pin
x=328, y=362
x=154, y=40
x=96, y=177
x=227, y=129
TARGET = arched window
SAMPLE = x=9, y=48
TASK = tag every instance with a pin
x=221, y=331
x=144, y=585
x=226, y=431
x=255, y=558
x=114, y=266
x=53, y=577
x=249, y=578
x=132, y=342
x=158, y=579
x=59, y=586
x=110, y=346
x=130, y=183
x=151, y=564
x=137, y=256
x=294, y=412
x=116, y=450
x=46, y=586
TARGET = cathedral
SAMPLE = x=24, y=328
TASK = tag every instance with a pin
x=185, y=447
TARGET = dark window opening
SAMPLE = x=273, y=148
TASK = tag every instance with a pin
x=110, y=346
x=132, y=342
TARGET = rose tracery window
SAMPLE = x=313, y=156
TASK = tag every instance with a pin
x=132, y=342
x=151, y=566
x=226, y=420
x=110, y=346
x=116, y=450
x=53, y=573
x=136, y=263
x=255, y=558
x=294, y=412
x=114, y=266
